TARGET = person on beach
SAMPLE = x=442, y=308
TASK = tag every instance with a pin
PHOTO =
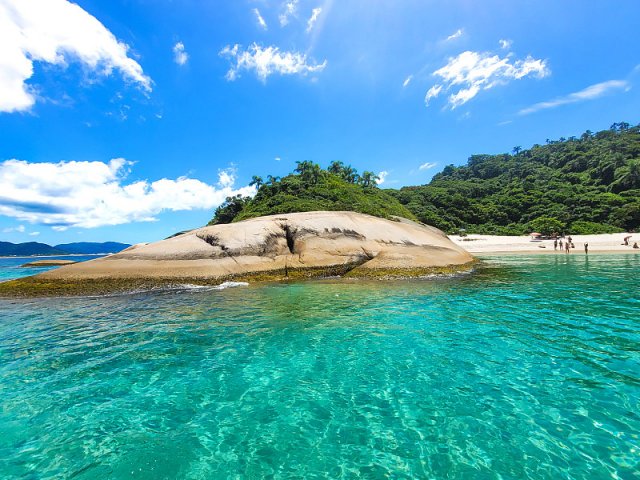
x=586, y=248
x=635, y=245
x=560, y=244
x=567, y=247
x=555, y=244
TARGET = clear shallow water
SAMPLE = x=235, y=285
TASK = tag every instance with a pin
x=10, y=267
x=529, y=368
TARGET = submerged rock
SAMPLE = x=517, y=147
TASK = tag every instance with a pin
x=48, y=263
x=276, y=247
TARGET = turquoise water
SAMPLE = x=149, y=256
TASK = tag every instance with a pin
x=10, y=267
x=529, y=368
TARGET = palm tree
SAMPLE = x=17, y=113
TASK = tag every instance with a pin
x=517, y=149
x=369, y=179
x=310, y=172
x=257, y=181
x=336, y=167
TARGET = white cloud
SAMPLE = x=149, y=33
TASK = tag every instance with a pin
x=260, y=19
x=313, y=18
x=407, y=81
x=458, y=33
x=589, y=93
x=55, y=32
x=290, y=10
x=266, y=61
x=34, y=234
x=180, y=55
x=427, y=166
x=505, y=44
x=94, y=194
x=19, y=229
x=382, y=176
x=277, y=159
x=471, y=72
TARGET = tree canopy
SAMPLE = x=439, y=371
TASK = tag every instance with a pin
x=589, y=184
x=312, y=188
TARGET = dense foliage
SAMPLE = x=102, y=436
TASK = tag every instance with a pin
x=581, y=185
x=311, y=188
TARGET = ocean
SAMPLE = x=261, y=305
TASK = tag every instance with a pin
x=527, y=368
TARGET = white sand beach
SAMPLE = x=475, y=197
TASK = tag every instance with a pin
x=605, y=243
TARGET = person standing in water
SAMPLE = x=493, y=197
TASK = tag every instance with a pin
x=586, y=248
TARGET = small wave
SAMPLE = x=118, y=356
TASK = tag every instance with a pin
x=224, y=285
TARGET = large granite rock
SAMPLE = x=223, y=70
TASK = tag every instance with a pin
x=276, y=247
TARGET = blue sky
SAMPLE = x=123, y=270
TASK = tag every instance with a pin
x=130, y=120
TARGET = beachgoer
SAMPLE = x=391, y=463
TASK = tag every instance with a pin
x=570, y=239
x=626, y=240
x=586, y=248
x=635, y=245
x=555, y=244
x=567, y=246
x=560, y=243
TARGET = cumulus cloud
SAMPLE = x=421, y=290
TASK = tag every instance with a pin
x=265, y=61
x=505, y=44
x=94, y=194
x=407, y=81
x=180, y=55
x=471, y=72
x=55, y=32
x=590, y=93
x=315, y=13
x=289, y=10
x=382, y=176
x=260, y=19
x=458, y=33
x=427, y=166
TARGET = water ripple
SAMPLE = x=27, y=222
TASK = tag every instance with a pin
x=530, y=368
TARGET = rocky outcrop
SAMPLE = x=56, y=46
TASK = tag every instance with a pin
x=276, y=247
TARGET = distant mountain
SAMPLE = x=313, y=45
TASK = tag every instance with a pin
x=90, y=248
x=8, y=249
x=29, y=248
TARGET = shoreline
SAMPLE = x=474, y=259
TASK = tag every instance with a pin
x=507, y=245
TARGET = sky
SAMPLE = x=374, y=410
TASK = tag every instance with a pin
x=130, y=120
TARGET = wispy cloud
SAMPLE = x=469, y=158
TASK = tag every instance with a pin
x=265, y=61
x=407, y=81
x=427, y=166
x=260, y=19
x=55, y=32
x=313, y=18
x=505, y=44
x=18, y=229
x=471, y=72
x=590, y=93
x=94, y=194
x=180, y=55
x=290, y=9
x=34, y=234
x=457, y=34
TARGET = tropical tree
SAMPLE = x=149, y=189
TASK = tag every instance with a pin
x=369, y=179
x=310, y=172
x=517, y=149
x=257, y=181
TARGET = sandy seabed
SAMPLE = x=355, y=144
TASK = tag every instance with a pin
x=604, y=243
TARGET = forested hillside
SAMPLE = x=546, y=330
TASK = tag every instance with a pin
x=589, y=184
x=311, y=188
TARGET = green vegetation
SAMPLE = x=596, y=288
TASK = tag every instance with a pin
x=311, y=188
x=580, y=185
